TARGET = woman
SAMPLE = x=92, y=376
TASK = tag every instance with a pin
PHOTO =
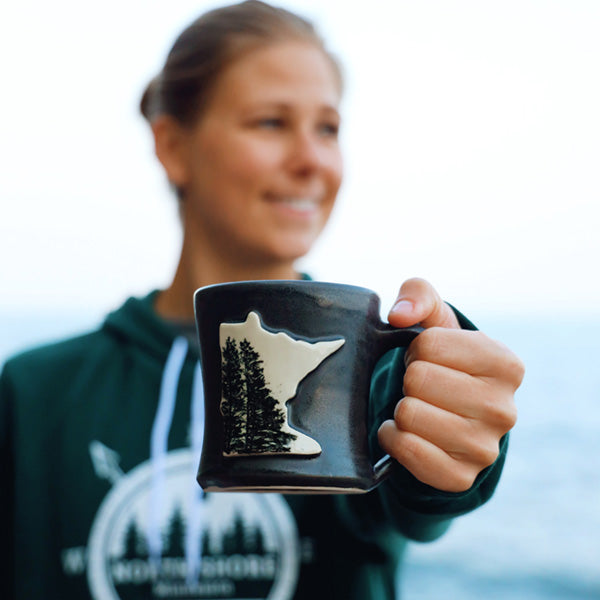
x=100, y=434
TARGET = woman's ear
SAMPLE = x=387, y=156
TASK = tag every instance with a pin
x=171, y=148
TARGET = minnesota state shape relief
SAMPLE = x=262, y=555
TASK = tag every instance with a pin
x=260, y=373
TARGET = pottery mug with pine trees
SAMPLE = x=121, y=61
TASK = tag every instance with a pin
x=286, y=367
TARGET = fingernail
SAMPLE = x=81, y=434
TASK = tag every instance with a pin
x=403, y=306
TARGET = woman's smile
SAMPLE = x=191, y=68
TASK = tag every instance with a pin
x=295, y=206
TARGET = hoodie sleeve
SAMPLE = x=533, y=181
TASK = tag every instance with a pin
x=416, y=510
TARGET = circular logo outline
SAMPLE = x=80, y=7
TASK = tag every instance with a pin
x=139, y=478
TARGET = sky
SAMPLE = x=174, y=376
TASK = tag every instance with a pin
x=471, y=135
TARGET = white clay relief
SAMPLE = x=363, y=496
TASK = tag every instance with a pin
x=260, y=372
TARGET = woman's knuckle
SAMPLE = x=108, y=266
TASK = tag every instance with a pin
x=464, y=479
x=460, y=478
x=512, y=367
x=516, y=370
x=487, y=453
x=509, y=417
x=478, y=448
x=502, y=414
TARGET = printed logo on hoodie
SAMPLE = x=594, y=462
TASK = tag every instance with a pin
x=157, y=537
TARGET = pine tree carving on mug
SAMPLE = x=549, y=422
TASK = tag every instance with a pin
x=252, y=418
x=260, y=373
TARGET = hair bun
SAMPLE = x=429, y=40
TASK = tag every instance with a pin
x=149, y=101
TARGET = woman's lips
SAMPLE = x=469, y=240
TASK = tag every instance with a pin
x=300, y=205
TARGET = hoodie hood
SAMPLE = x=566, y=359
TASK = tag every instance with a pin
x=137, y=323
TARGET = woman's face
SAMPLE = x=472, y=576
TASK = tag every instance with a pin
x=263, y=163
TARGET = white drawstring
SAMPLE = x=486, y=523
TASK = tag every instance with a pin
x=159, y=442
x=193, y=555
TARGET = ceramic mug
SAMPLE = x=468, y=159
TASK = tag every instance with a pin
x=286, y=367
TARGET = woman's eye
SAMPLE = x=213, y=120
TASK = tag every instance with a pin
x=271, y=123
x=329, y=129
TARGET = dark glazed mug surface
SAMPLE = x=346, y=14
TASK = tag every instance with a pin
x=287, y=368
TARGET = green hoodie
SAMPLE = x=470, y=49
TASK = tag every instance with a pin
x=99, y=442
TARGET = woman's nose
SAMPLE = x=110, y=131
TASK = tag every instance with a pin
x=307, y=153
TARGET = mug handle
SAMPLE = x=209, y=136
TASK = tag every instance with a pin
x=389, y=338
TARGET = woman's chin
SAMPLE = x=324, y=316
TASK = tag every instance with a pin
x=294, y=249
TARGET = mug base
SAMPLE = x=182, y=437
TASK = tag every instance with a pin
x=290, y=489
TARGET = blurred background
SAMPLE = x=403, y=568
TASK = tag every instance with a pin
x=472, y=140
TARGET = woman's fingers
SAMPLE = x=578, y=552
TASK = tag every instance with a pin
x=427, y=461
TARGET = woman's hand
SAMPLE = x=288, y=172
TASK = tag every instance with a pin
x=458, y=399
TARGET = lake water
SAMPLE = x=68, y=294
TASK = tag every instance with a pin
x=539, y=536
